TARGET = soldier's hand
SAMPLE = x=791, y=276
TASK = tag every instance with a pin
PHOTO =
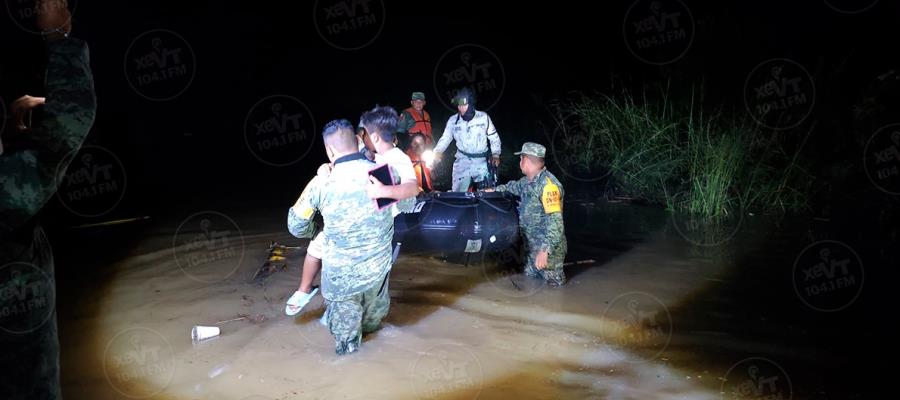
x=496, y=161
x=22, y=106
x=375, y=189
x=540, y=262
x=437, y=157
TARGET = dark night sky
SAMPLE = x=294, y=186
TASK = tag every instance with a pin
x=192, y=147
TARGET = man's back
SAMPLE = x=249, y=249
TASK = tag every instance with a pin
x=357, y=235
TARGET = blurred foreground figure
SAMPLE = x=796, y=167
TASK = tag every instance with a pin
x=33, y=159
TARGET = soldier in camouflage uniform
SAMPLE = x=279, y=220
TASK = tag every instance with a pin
x=29, y=168
x=477, y=141
x=540, y=215
x=357, y=248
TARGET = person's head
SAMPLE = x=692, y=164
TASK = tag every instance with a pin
x=417, y=101
x=464, y=100
x=381, y=123
x=417, y=143
x=339, y=139
x=531, y=159
x=362, y=136
x=530, y=165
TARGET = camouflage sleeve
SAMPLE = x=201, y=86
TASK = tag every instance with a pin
x=514, y=187
x=406, y=122
x=553, y=221
x=300, y=220
x=30, y=172
x=553, y=234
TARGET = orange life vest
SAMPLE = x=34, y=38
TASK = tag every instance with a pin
x=423, y=173
x=423, y=124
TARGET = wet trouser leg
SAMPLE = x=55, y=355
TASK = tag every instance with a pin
x=29, y=346
x=553, y=273
x=362, y=313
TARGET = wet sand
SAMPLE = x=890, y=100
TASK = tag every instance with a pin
x=453, y=332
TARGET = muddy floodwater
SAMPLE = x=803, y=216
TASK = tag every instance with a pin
x=669, y=309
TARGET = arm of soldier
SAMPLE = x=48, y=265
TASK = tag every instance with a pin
x=552, y=218
x=406, y=122
x=300, y=216
x=515, y=187
x=71, y=104
x=444, y=141
x=493, y=137
x=68, y=115
x=553, y=232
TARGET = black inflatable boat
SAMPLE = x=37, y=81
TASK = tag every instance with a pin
x=459, y=224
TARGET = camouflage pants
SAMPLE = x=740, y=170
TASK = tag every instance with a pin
x=467, y=170
x=362, y=313
x=553, y=273
x=28, y=331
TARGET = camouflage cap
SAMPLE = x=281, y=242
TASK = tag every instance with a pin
x=417, y=96
x=533, y=149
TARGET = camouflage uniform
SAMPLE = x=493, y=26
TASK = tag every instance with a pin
x=28, y=176
x=357, y=250
x=541, y=221
x=472, y=138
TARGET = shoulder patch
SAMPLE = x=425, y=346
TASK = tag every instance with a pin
x=551, y=198
x=306, y=213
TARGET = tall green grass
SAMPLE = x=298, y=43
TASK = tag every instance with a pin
x=693, y=161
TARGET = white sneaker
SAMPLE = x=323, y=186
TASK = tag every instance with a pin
x=299, y=300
